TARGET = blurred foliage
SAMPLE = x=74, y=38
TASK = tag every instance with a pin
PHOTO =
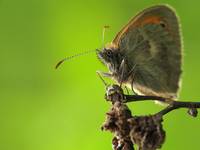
x=46, y=109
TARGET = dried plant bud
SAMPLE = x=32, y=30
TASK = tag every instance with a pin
x=128, y=145
x=193, y=112
x=114, y=93
x=116, y=119
x=117, y=144
x=147, y=132
x=117, y=123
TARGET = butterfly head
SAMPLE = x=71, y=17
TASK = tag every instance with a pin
x=110, y=57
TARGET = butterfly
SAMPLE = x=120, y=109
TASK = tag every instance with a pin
x=146, y=55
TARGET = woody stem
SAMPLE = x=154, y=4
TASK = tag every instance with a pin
x=178, y=104
x=172, y=104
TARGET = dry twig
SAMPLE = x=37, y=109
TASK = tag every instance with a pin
x=145, y=131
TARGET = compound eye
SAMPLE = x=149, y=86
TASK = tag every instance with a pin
x=109, y=53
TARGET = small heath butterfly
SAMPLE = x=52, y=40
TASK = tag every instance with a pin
x=146, y=54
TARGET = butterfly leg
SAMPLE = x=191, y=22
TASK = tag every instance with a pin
x=122, y=72
x=127, y=90
x=133, y=88
x=105, y=74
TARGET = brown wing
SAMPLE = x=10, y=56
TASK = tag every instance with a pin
x=151, y=41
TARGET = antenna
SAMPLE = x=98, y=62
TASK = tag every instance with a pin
x=73, y=56
x=83, y=53
x=103, y=34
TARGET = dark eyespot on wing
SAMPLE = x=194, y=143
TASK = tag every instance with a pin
x=162, y=24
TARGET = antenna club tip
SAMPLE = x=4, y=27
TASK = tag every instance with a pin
x=58, y=64
x=106, y=26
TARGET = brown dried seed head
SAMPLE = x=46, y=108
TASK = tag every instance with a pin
x=147, y=132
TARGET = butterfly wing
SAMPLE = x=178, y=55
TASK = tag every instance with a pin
x=151, y=43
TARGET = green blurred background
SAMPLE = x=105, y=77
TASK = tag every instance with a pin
x=46, y=109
